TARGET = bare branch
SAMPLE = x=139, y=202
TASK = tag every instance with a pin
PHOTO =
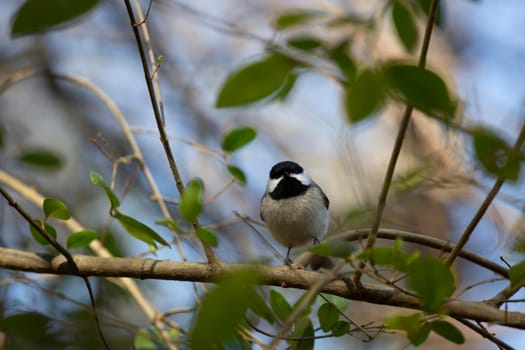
x=281, y=276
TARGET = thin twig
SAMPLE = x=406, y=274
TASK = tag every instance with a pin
x=485, y=205
x=426, y=241
x=396, y=150
x=484, y=333
x=212, y=259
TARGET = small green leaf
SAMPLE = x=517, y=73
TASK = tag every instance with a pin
x=448, y=331
x=261, y=309
x=255, y=81
x=54, y=208
x=145, y=340
x=172, y=225
x=339, y=54
x=298, y=17
x=405, y=25
x=28, y=325
x=417, y=336
x=305, y=43
x=97, y=180
x=207, y=236
x=517, y=274
x=238, y=138
x=338, y=248
x=417, y=330
x=36, y=16
x=495, y=155
x=328, y=316
x=287, y=87
x=304, y=331
x=433, y=282
x=191, y=200
x=365, y=95
x=390, y=257
x=340, y=328
x=425, y=6
x=81, y=239
x=38, y=236
x=279, y=305
x=223, y=308
x=139, y=230
x=237, y=174
x=41, y=159
x=420, y=88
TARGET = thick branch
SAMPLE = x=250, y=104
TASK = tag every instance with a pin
x=281, y=276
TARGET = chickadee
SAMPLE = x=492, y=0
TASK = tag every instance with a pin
x=294, y=208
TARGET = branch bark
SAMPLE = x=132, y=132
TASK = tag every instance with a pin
x=282, y=276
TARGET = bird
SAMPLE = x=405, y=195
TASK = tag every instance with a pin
x=294, y=207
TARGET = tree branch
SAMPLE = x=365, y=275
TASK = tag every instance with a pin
x=281, y=276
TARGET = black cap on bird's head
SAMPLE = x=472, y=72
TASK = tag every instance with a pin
x=287, y=179
x=287, y=167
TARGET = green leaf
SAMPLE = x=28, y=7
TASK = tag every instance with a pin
x=305, y=331
x=191, y=200
x=261, y=309
x=405, y=25
x=339, y=54
x=41, y=159
x=328, y=316
x=97, y=180
x=36, y=16
x=420, y=88
x=237, y=173
x=517, y=274
x=81, y=239
x=417, y=336
x=172, y=225
x=448, y=331
x=151, y=339
x=139, y=230
x=298, y=17
x=237, y=138
x=54, y=208
x=433, y=282
x=365, y=95
x=279, y=305
x=223, y=308
x=38, y=236
x=207, y=236
x=417, y=331
x=425, y=6
x=338, y=248
x=306, y=43
x=29, y=325
x=255, y=81
x=144, y=340
x=495, y=155
x=390, y=257
x=340, y=328
x=287, y=87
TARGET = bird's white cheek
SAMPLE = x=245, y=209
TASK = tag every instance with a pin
x=303, y=178
x=272, y=184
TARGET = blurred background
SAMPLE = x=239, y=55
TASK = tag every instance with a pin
x=478, y=47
